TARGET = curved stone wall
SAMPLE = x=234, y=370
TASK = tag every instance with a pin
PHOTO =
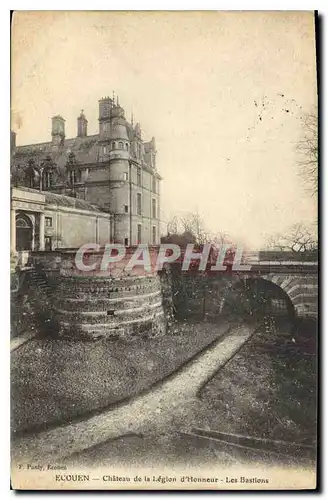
x=96, y=305
x=123, y=307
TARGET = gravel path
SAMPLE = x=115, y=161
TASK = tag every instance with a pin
x=154, y=411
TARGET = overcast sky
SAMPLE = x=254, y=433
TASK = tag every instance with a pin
x=224, y=94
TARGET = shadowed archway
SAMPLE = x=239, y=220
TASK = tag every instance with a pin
x=259, y=297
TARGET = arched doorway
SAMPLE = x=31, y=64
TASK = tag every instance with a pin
x=24, y=233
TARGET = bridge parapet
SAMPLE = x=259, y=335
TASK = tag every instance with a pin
x=278, y=255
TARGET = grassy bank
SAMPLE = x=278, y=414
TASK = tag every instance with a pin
x=268, y=389
x=54, y=381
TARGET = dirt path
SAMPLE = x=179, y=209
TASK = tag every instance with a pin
x=154, y=411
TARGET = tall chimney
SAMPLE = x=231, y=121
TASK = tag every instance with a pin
x=82, y=125
x=58, y=130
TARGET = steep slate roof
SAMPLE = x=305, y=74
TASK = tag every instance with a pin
x=62, y=200
x=68, y=201
x=85, y=149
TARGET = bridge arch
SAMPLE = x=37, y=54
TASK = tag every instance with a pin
x=268, y=297
x=302, y=290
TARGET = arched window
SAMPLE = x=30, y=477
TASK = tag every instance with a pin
x=23, y=223
x=114, y=145
x=127, y=146
x=24, y=232
x=120, y=145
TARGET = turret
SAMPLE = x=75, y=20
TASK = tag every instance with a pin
x=82, y=125
x=137, y=130
x=119, y=129
x=58, y=130
x=119, y=133
x=117, y=111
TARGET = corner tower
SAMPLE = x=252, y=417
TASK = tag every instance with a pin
x=120, y=175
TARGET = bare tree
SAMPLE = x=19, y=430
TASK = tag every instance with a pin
x=194, y=224
x=221, y=238
x=307, y=148
x=189, y=226
x=299, y=238
x=173, y=226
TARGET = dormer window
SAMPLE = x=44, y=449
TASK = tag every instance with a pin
x=48, y=179
x=32, y=175
x=71, y=158
x=74, y=177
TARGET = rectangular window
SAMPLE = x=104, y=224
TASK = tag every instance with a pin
x=47, y=243
x=126, y=242
x=139, y=233
x=125, y=176
x=48, y=221
x=154, y=184
x=139, y=203
x=126, y=209
x=153, y=208
x=154, y=235
x=138, y=176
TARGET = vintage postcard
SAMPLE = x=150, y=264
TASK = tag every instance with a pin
x=164, y=250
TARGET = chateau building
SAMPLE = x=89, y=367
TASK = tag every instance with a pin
x=41, y=220
x=112, y=173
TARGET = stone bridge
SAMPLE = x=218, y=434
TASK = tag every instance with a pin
x=129, y=305
x=295, y=274
x=285, y=275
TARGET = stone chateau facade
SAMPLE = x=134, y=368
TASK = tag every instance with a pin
x=113, y=171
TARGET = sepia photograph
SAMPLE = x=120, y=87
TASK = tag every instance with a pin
x=164, y=250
